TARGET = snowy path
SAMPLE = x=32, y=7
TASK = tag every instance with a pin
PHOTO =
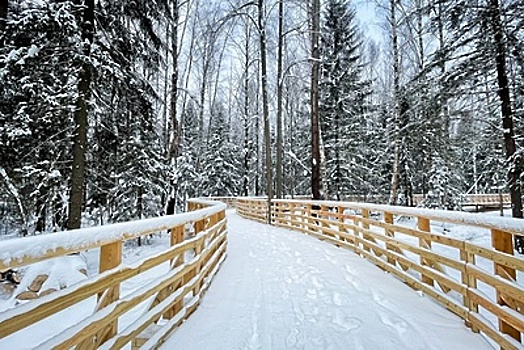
x=279, y=289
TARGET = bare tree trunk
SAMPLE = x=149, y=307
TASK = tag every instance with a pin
x=247, y=153
x=175, y=137
x=167, y=144
x=76, y=197
x=507, y=119
x=16, y=196
x=4, y=6
x=265, y=106
x=395, y=175
x=279, y=96
x=258, y=190
x=217, y=80
x=315, y=125
x=189, y=62
x=41, y=210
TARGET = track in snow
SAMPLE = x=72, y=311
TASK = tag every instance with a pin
x=279, y=289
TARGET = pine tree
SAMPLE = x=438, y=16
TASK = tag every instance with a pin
x=221, y=175
x=39, y=60
x=342, y=97
x=186, y=175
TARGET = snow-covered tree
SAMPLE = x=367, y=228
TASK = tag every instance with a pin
x=222, y=171
x=342, y=100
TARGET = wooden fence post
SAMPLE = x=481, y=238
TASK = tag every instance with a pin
x=423, y=225
x=388, y=219
x=340, y=217
x=277, y=212
x=199, y=227
x=307, y=217
x=503, y=241
x=470, y=281
x=292, y=215
x=110, y=257
x=177, y=236
x=365, y=225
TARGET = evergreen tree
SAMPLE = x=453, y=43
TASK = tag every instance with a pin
x=186, y=174
x=342, y=97
x=38, y=64
x=221, y=175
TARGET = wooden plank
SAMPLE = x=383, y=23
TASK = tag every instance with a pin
x=120, y=340
x=94, y=325
x=398, y=246
x=442, y=278
x=423, y=225
x=110, y=258
x=503, y=241
x=471, y=282
x=430, y=266
x=502, y=285
x=505, y=342
x=514, y=319
x=447, y=302
x=498, y=257
x=177, y=237
x=15, y=319
x=388, y=219
x=436, y=238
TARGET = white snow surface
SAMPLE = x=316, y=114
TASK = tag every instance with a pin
x=280, y=289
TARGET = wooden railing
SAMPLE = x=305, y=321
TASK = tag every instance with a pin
x=493, y=200
x=198, y=247
x=229, y=201
x=477, y=283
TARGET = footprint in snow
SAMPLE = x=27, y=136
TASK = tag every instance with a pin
x=332, y=260
x=291, y=339
x=397, y=324
x=298, y=313
x=357, y=284
x=337, y=299
x=311, y=294
x=316, y=282
x=344, y=323
x=380, y=299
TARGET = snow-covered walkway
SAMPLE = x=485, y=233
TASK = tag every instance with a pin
x=279, y=289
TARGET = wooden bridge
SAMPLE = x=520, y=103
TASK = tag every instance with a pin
x=477, y=283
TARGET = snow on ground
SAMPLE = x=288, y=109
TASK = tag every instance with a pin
x=279, y=289
x=67, y=267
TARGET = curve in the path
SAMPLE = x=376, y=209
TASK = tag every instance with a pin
x=279, y=289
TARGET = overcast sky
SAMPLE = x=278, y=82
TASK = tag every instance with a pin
x=369, y=19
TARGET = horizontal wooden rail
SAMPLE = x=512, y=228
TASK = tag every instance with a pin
x=491, y=200
x=229, y=201
x=198, y=246
x=477, y=283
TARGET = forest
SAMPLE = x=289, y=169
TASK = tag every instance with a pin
x=119, y=110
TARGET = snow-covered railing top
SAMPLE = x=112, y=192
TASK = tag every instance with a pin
x=26, y=250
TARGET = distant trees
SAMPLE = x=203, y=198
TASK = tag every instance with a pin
x=108, y=110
